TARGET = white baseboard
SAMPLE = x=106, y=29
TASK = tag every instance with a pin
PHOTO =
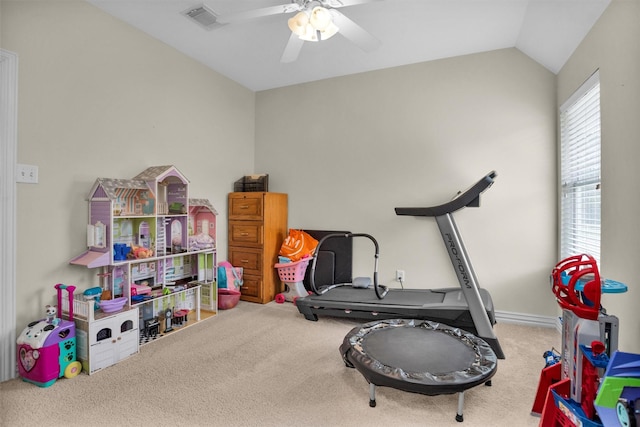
x=528, y=319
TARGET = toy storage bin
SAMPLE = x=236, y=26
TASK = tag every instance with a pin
x=228, y=298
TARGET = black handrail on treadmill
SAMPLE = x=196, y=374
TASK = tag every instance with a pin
x=381, y=290
x=468, y=198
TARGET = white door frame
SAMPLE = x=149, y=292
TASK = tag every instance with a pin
x=8, y=160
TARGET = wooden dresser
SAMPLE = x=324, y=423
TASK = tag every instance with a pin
x=257, y=228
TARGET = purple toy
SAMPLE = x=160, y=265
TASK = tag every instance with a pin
x=47, y=347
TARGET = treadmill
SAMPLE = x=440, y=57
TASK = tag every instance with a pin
x=467, y=307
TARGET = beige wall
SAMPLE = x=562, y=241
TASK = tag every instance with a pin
x=612, y=47
x=348, y=150
x=98, y=98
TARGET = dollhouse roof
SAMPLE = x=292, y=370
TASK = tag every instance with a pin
x=159, y=173
x=109, y=185
x=92, y=259
x=204, y=203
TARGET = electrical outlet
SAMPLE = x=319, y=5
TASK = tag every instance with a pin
x=399, y=275
x=27, y=173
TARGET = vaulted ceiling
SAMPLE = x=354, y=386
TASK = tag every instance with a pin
x=249, y=51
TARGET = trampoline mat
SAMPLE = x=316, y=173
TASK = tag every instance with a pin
x=422, y=350
x=418, y=356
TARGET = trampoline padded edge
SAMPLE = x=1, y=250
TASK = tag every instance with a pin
x=355, y=355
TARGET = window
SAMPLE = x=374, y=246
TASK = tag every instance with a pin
x=580, y=171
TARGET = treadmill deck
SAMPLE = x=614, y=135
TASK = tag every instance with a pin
x=447, y=305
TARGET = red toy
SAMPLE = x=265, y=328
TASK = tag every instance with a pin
x=566, y=276
x=567, y=389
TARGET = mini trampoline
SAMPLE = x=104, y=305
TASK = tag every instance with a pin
x=419, y=356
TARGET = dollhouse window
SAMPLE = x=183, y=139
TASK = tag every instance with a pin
x=103, y=334
x=126, y=326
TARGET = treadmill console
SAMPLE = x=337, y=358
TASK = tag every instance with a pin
x=468, y=198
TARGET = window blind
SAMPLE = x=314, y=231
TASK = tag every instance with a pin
x=580, y=171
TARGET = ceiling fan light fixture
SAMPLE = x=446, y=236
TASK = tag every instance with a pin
x=310, y=35
x=320, y=18
x=298, y=24
x=313, y=24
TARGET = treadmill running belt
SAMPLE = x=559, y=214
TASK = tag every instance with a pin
x=403, y=297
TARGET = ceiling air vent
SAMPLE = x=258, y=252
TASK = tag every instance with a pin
x=202, y=15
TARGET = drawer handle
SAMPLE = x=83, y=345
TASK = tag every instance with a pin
x=244, y=234
x=244, y=207
x=244, y=261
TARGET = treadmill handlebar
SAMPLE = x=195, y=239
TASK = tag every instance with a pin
x=381, y=290
x=469, y=198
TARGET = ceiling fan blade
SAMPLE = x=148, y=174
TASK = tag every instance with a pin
x=259, y=13
x=354, y=32
x=345, y=3
x=292, y=50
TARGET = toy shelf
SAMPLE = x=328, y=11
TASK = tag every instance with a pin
x=156, y=258
x=189, y=290
x=86, y=310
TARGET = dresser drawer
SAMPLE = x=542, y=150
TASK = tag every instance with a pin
x=252, y=287
x=247, y=258
x=246, y=206
x=245, y=233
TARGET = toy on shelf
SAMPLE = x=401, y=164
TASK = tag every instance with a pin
x=150, y=330
x=139, y=252
x=47, y=347
x=113, y=305
x=168, y=320
x=93, y=294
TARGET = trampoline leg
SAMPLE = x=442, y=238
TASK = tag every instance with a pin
x=372, y=395
x=459, y=417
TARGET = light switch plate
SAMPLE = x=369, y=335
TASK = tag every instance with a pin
x=27, y=173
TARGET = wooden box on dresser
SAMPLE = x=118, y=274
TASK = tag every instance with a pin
x=257, y=228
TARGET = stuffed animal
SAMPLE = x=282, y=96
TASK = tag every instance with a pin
x=139, y=252
x=51, y=311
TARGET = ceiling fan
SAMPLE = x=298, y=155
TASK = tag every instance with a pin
x=315, y=20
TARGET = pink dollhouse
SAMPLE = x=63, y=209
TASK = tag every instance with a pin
x=136, y=213
x=147, y=234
